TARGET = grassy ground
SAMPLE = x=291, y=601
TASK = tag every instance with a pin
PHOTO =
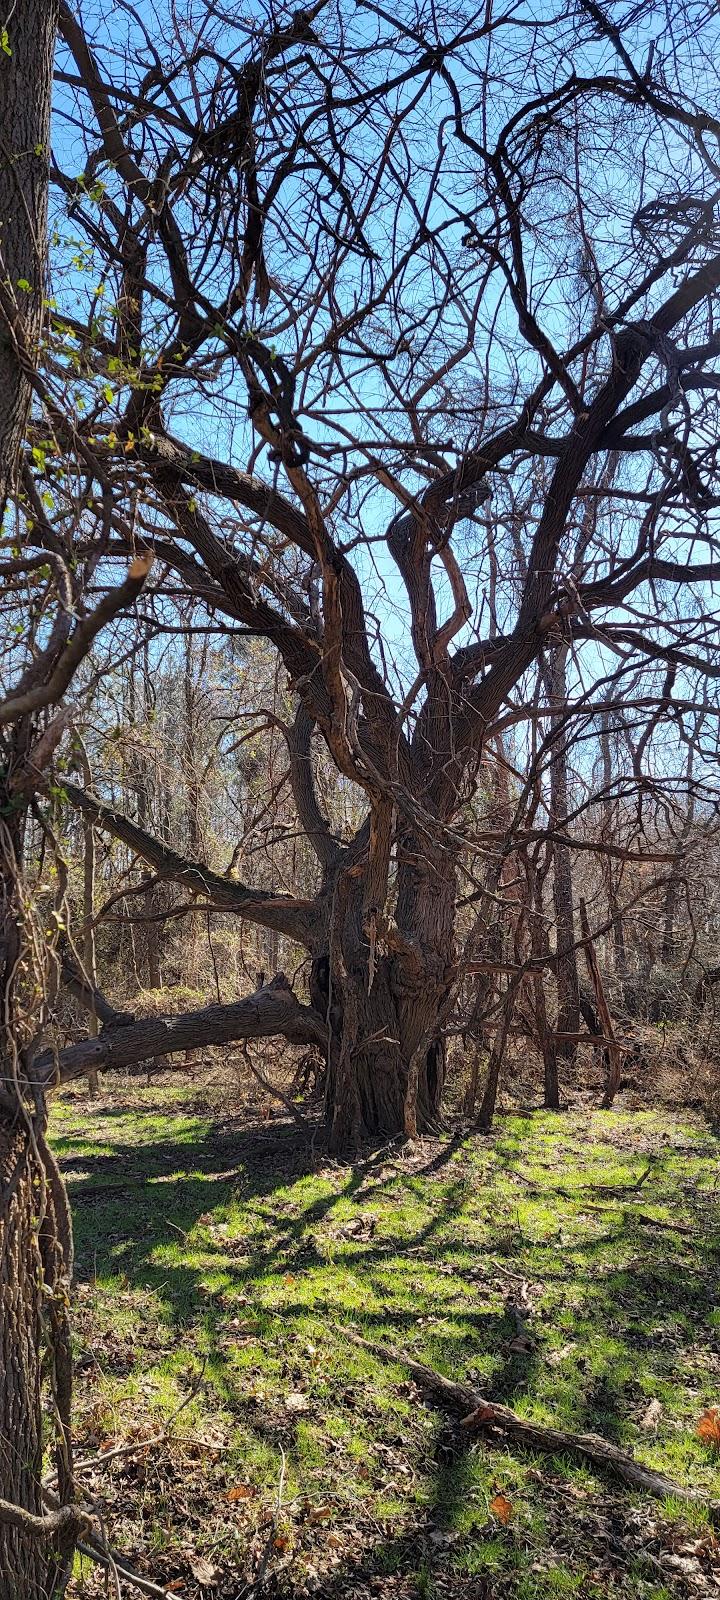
x=218, y=1263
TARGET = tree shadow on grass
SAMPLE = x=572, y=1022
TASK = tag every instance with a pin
x=132, y=1205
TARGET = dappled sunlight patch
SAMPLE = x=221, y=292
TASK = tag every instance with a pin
x=225, y=1292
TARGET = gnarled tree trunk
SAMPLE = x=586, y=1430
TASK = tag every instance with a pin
x=386, y=1000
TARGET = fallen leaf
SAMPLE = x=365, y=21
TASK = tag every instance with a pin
x=479, y=1417
x=502, y=1508
x=521, y=1345
x=555, y=1357
x=297, y=1402
x=241, y=1491
x=206, y=1573
x=652, y=1416
x=708, y=1427
x=320, y=1514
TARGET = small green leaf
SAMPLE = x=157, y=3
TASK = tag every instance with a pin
x=5, y=41
x=108, y=393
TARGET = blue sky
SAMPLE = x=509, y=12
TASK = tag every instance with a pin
x=537, y=54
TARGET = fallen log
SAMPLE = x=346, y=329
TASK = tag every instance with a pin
x=477, y=1413
x=272, y=1009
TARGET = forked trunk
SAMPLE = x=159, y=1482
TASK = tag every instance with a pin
x=387, y=1064
x=387, y=1000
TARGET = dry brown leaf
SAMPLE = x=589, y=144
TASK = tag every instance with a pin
x=320, y=1514
x=241, y=1491
x=140, y=564
x=652, y=1416
x=502, y=1508
x=207, y=1574
x=708, y=1427
x=479, y=1417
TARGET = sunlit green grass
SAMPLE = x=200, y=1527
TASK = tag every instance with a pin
x=225, y=1271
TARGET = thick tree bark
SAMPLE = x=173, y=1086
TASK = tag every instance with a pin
x=124, y=1041
x=25, y=87
x=386, y=1000
x=28, y=1568
x=387, y=1060
x=35, y=1250
x=22, y=1556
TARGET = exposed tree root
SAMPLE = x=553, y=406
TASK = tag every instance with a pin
x=478, y=1413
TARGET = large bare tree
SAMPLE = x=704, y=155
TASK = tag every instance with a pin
x=388, y=340
x=410, y=371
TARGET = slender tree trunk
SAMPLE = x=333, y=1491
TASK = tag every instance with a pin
x=190, y=756
x=609, y=835
x=488, y=937
x=568, y=987
x=146, y=941
x=672, y=894
x=612, y=1052
x=88, y=941
x=539, y=947
x=492, y=1082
